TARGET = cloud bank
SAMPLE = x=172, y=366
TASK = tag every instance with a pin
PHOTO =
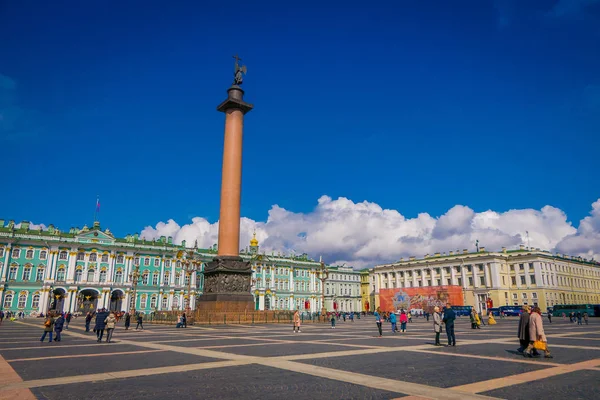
x=364, y=234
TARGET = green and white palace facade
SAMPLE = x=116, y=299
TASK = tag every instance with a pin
x=89, y=268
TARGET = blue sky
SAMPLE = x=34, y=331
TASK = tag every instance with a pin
x=415, y=106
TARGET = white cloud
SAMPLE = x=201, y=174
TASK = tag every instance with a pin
x=586, y=241
x=364, y=234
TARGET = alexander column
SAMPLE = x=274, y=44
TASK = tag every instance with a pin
x=227, y=278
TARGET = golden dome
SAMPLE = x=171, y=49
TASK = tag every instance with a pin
x=253, y=241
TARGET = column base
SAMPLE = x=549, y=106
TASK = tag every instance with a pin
x=226, y=286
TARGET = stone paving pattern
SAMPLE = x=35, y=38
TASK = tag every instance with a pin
x=272, y=362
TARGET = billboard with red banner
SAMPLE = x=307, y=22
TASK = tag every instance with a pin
x=420, y=298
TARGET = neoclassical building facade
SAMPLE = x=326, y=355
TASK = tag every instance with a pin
x=507, y=277
x=86, y=269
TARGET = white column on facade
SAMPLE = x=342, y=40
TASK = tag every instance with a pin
x=495, y=274
x=161, y=278
x=67, y=301
x=7, y=251
x=537, y=268
x=463, y=275
x=433, y=275
x=475, y=274
x=128, y=261
x=50, y=271
x=172, y=277
x=71, y=266
x=443, y=276
x=486, y=275
x=414, y=278
x=127, y=301
x=112, y=258
x=376, y=279
x=170, y=303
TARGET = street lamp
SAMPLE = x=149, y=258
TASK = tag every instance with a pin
x=322, y=275
x=50, y=297
x=191, y=265
x=134, y=276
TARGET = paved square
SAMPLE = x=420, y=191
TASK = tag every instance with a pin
x=272, y=362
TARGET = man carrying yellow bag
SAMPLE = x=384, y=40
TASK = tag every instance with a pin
x=537, y=336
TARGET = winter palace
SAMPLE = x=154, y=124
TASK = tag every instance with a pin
x=89, y=268
x=488, y=278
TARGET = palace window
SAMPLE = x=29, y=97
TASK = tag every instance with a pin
x=136, y=261
x=155, y=278
x=120, y=259
x=532, y=279
x=16, y=253
x=470, y=281
x=521, y=267
x=165, y=303
x=62, y=255
x=26, y=273
x=175, y=301
x=144, y=301
x=80, y=256
x=22, y=300
x=12, y=273
x=103, y=276
x=29, y=254
x=8, y=299
x=104, y=257
x=119, y=276
x=146, y=262
x=93, y=257
x=482, y=280
x=35, y=301
x=513, y=280
x=167, y=263
x=39, y=274
x=145, y=277
x=178, y=264
x=156, y=262
x=187, y=279
x=177, y=278
x=43, y=255
x=90, y=275
x=153, y=302
x=522, y=280
x=60, y=274
x=1, y=251
x=166, y=278
x=78, y=275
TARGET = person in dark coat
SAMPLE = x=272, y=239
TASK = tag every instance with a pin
x=140, y=321
x=127, y=320
x=523, y=331
x=448, y=319
x=68, y=320
x=100, y=324
x=58, y=327
x=88, y=319
x=48, y=327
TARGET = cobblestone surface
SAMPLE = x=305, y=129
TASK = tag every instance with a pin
x=251, y=362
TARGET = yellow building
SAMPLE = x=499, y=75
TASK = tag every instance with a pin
x=509, y=277
x=367, y=296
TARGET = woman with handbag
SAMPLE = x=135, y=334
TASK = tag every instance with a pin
x=537, y=337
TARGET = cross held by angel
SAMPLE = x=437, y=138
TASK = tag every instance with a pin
x=239, y=71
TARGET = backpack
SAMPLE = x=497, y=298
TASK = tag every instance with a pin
x=47, y=323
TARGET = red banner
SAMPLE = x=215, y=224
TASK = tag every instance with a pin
x=306, y=305
x=367, y=306
x=420, y=298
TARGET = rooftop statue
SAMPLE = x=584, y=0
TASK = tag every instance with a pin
x=239, y=71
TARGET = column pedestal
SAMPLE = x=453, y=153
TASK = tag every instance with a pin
x=227, y=282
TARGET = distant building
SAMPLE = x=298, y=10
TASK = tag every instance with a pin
x=86, y=269
x=509, y=277
x=290, y=283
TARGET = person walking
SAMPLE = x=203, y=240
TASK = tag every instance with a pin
x=127, y=321
x=586, y=317
x=449, y=318
x=332, y=320
x=48, y=327
x=550, y=316
x=437, y=325
x=523, y=330
x=403, y=320
x=296, y=321
x=378, y=320
x=68, y=320
x=88, y=319
x=110, y=322
x=58, y=327
x=100, y=324
x=140, y=322
x=393, y=321
x=537, y=337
